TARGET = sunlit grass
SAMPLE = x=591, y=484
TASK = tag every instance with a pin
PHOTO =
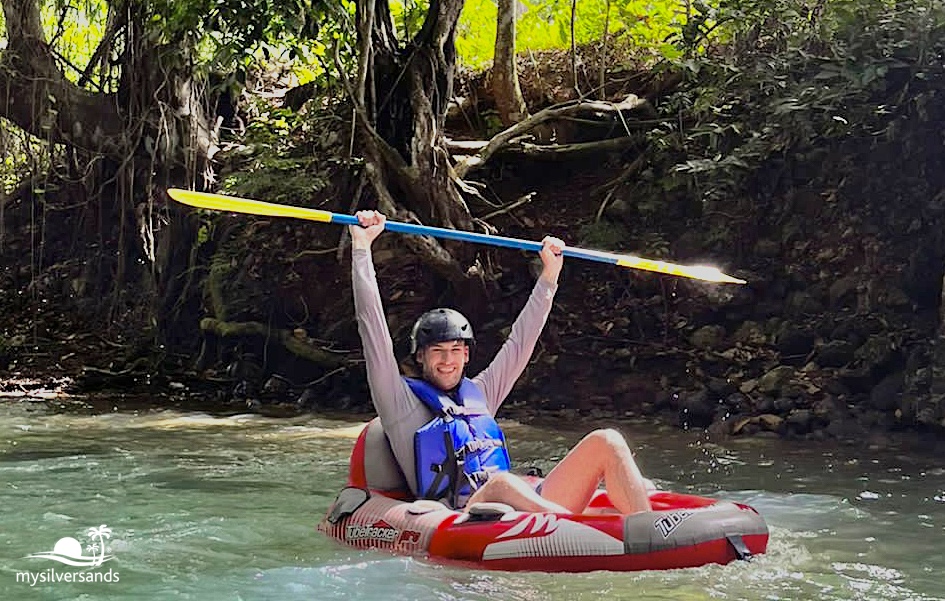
x=546, y=25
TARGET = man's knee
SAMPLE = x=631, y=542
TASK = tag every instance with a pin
x=608, y=437
x=501, y=478
x=501, y=481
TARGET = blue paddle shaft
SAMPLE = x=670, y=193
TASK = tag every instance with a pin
x=476, y=238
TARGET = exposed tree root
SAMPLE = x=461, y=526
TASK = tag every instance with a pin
x=292, y=343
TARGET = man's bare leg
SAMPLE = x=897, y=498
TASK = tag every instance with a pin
x=602, y=454
x=510, y=489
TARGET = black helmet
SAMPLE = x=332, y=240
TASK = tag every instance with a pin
x=440, y=325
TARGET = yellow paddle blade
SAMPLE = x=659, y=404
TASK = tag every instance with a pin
x=699, y=272
x=234, y=204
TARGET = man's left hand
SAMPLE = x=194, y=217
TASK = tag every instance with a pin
x=551, y=258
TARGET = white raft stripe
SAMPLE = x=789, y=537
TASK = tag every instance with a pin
x=564, y=538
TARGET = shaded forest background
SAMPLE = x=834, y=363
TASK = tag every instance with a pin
x=798, y=145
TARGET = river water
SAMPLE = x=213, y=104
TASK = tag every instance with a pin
x=225, y=508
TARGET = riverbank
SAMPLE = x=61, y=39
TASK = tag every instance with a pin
x=187, y=394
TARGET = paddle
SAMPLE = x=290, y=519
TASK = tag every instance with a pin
x=219, y=202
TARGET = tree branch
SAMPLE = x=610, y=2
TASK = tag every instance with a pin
x=560, y=152
x=116, y=21
x=571, y=109
x=40, y=100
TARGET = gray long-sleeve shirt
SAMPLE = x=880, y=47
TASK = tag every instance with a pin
x=401, y=412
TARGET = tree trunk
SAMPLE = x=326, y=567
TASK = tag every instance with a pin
x=505, y=86
x=173, y=145
x=131, y=144
x=403, y=93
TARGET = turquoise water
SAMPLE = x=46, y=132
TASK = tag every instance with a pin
x=209, y=508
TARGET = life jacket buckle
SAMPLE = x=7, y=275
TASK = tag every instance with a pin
x=475, y=446
x=480, y=477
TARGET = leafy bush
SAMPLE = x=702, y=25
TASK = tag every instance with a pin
x=791, y=79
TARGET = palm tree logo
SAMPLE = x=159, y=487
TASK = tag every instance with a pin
x=69, y=551
x=100, y=533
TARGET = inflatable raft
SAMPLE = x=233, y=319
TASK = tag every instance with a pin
x=374, y=512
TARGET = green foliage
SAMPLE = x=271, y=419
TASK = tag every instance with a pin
x=603, y=234
x=408, y=16
x=275, y=177
x=287, y=157
x=228, y=34
x=276, y=180
x=475, y=33
x=240, y=34
x=765, y=77
x=20, y=155
x=74, y=29
x=791, y=80
x=239, y=25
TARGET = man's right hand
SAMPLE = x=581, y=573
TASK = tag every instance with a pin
x=372, y=224
x=551, y=259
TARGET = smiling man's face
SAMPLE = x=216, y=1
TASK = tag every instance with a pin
x=443, y=363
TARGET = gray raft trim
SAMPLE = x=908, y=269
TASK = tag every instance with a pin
x=664, y=530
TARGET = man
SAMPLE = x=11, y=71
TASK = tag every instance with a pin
x=442, y=429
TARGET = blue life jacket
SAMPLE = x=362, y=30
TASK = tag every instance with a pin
x=460, y=447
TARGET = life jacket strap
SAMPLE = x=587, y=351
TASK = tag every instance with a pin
x=475, y=446
x=455, y=460
x=446, y=471
x=450, y=411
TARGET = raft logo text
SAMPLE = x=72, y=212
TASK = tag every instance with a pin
x=69, y=551
x=668, y=523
